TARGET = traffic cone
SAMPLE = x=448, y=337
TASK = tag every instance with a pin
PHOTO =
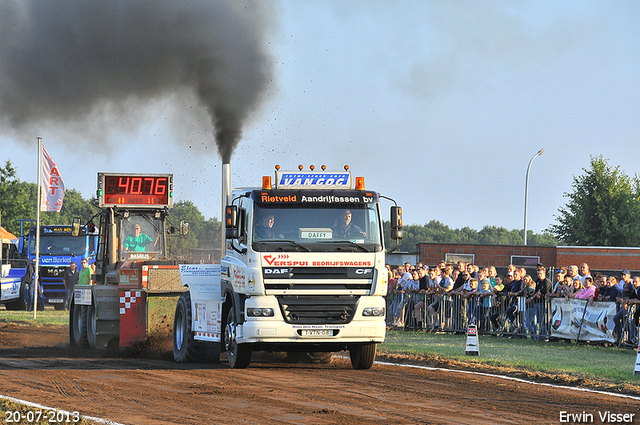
x=636, y=371
x=472, y=341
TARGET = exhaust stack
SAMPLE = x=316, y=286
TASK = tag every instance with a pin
x=226, y=194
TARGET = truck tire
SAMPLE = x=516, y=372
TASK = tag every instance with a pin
x=183, y=343
x=79, y=324
x=362, y=355
x=239, y=355
x=185, y=348
x=91, y=325
x=19, y=304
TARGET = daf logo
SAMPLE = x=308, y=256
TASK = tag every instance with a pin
x=363, y=271
x=276, y=272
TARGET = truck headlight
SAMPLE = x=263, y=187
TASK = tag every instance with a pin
x=260, y=312
x=373, y=311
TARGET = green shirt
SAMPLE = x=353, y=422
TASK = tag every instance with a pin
x=85, y=276
x=139, y=243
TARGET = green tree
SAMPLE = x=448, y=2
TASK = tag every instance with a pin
x=603, y=209
x=17, y=199
x=181, y=244
x=494, y=235
x=210, y=236
x=72, y=206
x=203, y=233
x=437, y=232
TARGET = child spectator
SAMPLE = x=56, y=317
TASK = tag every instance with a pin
x=485, y=303
x=529, y=293
x=557, y=285
x=472, y=303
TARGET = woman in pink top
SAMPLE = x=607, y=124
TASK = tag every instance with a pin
x=588, y=292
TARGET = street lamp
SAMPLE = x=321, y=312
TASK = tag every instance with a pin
x=526, y=194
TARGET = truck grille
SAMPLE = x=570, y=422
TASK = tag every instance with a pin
x=318, y=278
x=318, y=310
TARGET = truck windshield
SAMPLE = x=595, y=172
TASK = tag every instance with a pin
x=316, y=229
x=60, y=245
x=141, y=234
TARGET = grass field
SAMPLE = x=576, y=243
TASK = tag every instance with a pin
x=592, y=362
x=47, y=317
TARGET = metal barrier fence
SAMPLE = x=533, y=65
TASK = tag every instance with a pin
x=492, y=314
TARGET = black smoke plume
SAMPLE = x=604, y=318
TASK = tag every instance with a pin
x=61, y=60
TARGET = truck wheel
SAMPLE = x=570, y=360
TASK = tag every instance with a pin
x=362, y=355
x=183, y=343
x=91, y=325
x=185, y=348
x=20, y=303
x=239, y=355
x=80, y=326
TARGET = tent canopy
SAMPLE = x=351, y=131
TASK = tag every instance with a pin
x=6, y=236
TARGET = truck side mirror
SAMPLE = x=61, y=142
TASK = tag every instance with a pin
x=184, y=227
x=76, y=226
x=396, y=223
x=231, y=221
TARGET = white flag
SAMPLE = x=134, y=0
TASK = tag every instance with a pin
x=52, y=184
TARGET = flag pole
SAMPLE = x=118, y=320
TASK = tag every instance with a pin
x=36, y=285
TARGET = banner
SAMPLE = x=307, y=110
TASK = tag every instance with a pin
x=52, y=184
x=594, y=323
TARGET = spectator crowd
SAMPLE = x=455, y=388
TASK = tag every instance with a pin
x=449, y=297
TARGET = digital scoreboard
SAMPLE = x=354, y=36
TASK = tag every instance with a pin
x=135, y=190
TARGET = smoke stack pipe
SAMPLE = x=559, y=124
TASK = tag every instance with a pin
x=226, y=194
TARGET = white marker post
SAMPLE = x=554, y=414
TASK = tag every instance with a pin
x=472, y=341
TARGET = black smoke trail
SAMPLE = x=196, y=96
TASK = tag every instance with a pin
x=62, y=60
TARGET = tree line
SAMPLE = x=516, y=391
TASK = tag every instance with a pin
x=437, y=232
x=18, y=201
x=603, y=209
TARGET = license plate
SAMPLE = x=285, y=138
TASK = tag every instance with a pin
x=317, y=332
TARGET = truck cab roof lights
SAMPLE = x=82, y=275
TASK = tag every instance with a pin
x=312, y=167
x=277, y=167
x=266, y=182
x=300, y=167
x=324, y=167
x=359, y=183
x=346, y=168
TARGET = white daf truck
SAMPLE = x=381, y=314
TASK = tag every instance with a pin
x=302, y=272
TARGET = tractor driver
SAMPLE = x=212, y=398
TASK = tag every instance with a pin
x=138, y=241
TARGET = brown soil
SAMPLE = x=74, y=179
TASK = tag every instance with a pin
x=36, y=365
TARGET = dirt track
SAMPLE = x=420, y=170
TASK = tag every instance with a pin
x=35, y=366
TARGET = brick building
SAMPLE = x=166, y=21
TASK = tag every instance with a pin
x=602, y=259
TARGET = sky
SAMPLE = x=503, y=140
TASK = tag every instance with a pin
x=439, y=105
